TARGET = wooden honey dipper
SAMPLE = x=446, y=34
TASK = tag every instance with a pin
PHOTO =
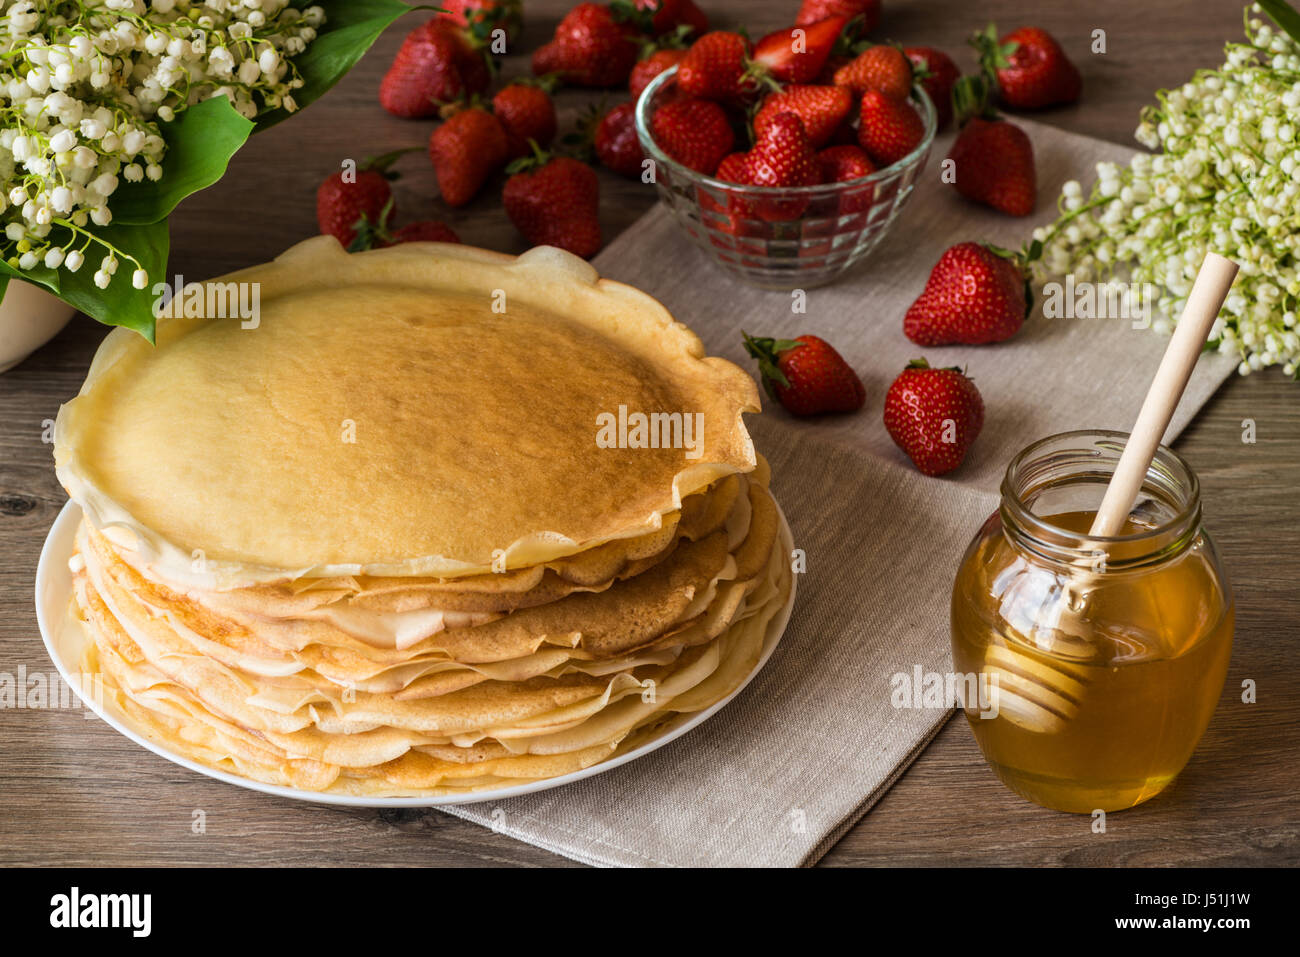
x=1041, y=694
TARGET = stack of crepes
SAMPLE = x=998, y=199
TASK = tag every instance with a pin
x=373, y=541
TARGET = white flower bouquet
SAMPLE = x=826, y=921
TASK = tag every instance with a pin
x=1226, y=179
x=115, y=110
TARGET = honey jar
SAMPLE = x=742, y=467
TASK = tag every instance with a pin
x=1103, y=657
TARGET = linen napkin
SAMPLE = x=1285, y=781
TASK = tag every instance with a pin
x=781, y=772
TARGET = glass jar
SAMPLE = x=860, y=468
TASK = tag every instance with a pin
x=1098, y=661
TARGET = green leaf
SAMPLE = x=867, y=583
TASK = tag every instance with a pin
x=350, y=27
x=971, y=96
x=1284, y=15
x=203, y=138
x=200, y=142
x=121, y=304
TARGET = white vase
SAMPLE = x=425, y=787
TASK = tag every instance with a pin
x=29, y=318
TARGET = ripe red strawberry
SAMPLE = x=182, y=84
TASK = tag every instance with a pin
x=435, y=64
x=797, y=54
x=934, y=415
x=735, y=168
x=616, y=143
x=376, y=232
x=425, y=231
x=670, y=14
x=554, y=201
x=465, y=151
x=823, y=110
x=1032, y=70
x=840, y=164
x=481, y=17
x=715, y=68
x=884, y=68
x=342, y=202
x=650, y=67
x=782, y=156
x=973, y=297
x=696, y=133
x=591, y=47
x=888, y=129
x=806, y=375
x=526, y=113
x=993, y=164
x=813, y=10
x=937, y=74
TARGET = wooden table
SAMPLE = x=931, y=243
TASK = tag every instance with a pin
x=75, y=792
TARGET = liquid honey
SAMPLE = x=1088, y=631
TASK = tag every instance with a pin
x=1099, y=709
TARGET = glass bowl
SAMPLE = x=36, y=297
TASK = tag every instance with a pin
x=792, y=238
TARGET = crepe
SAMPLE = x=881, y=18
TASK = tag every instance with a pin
x=542, y=728
x=299, y=447
x=378, y=545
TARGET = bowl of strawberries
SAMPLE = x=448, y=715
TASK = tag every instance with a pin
x=826, y=173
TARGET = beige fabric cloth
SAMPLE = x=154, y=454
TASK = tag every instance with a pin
x=778, y=775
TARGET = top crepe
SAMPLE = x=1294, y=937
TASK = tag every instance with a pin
x=383, y=418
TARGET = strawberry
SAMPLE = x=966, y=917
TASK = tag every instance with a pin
x=823, y=110
x=481, y=17
x=806, y=375
x=526, y=113
x=376, y=232
x=341, y=205
x=668, y=15
x=974, y=296
x=616, y=143
x=465, y=151
x=554, y=201
x=1031, y=69
x=782, y=154
x=781, y=157
x=840, y=164
x=797, y=54
x=591, y=47
x=888, y=129
x=881, y=67
x=934, y=415
x=425, y=231
x=993, y=164
x=812, y=11
x=650, y=67
x=716, y=67
x=696, y=133
x=937, y=74
x=734, y=168
x=746, y=209
x=435, y=64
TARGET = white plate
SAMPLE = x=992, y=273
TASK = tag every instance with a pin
x=54, y=591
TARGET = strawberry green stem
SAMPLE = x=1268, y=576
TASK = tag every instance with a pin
x=767, y=351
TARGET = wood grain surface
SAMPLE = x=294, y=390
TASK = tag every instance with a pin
x=75, y=792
